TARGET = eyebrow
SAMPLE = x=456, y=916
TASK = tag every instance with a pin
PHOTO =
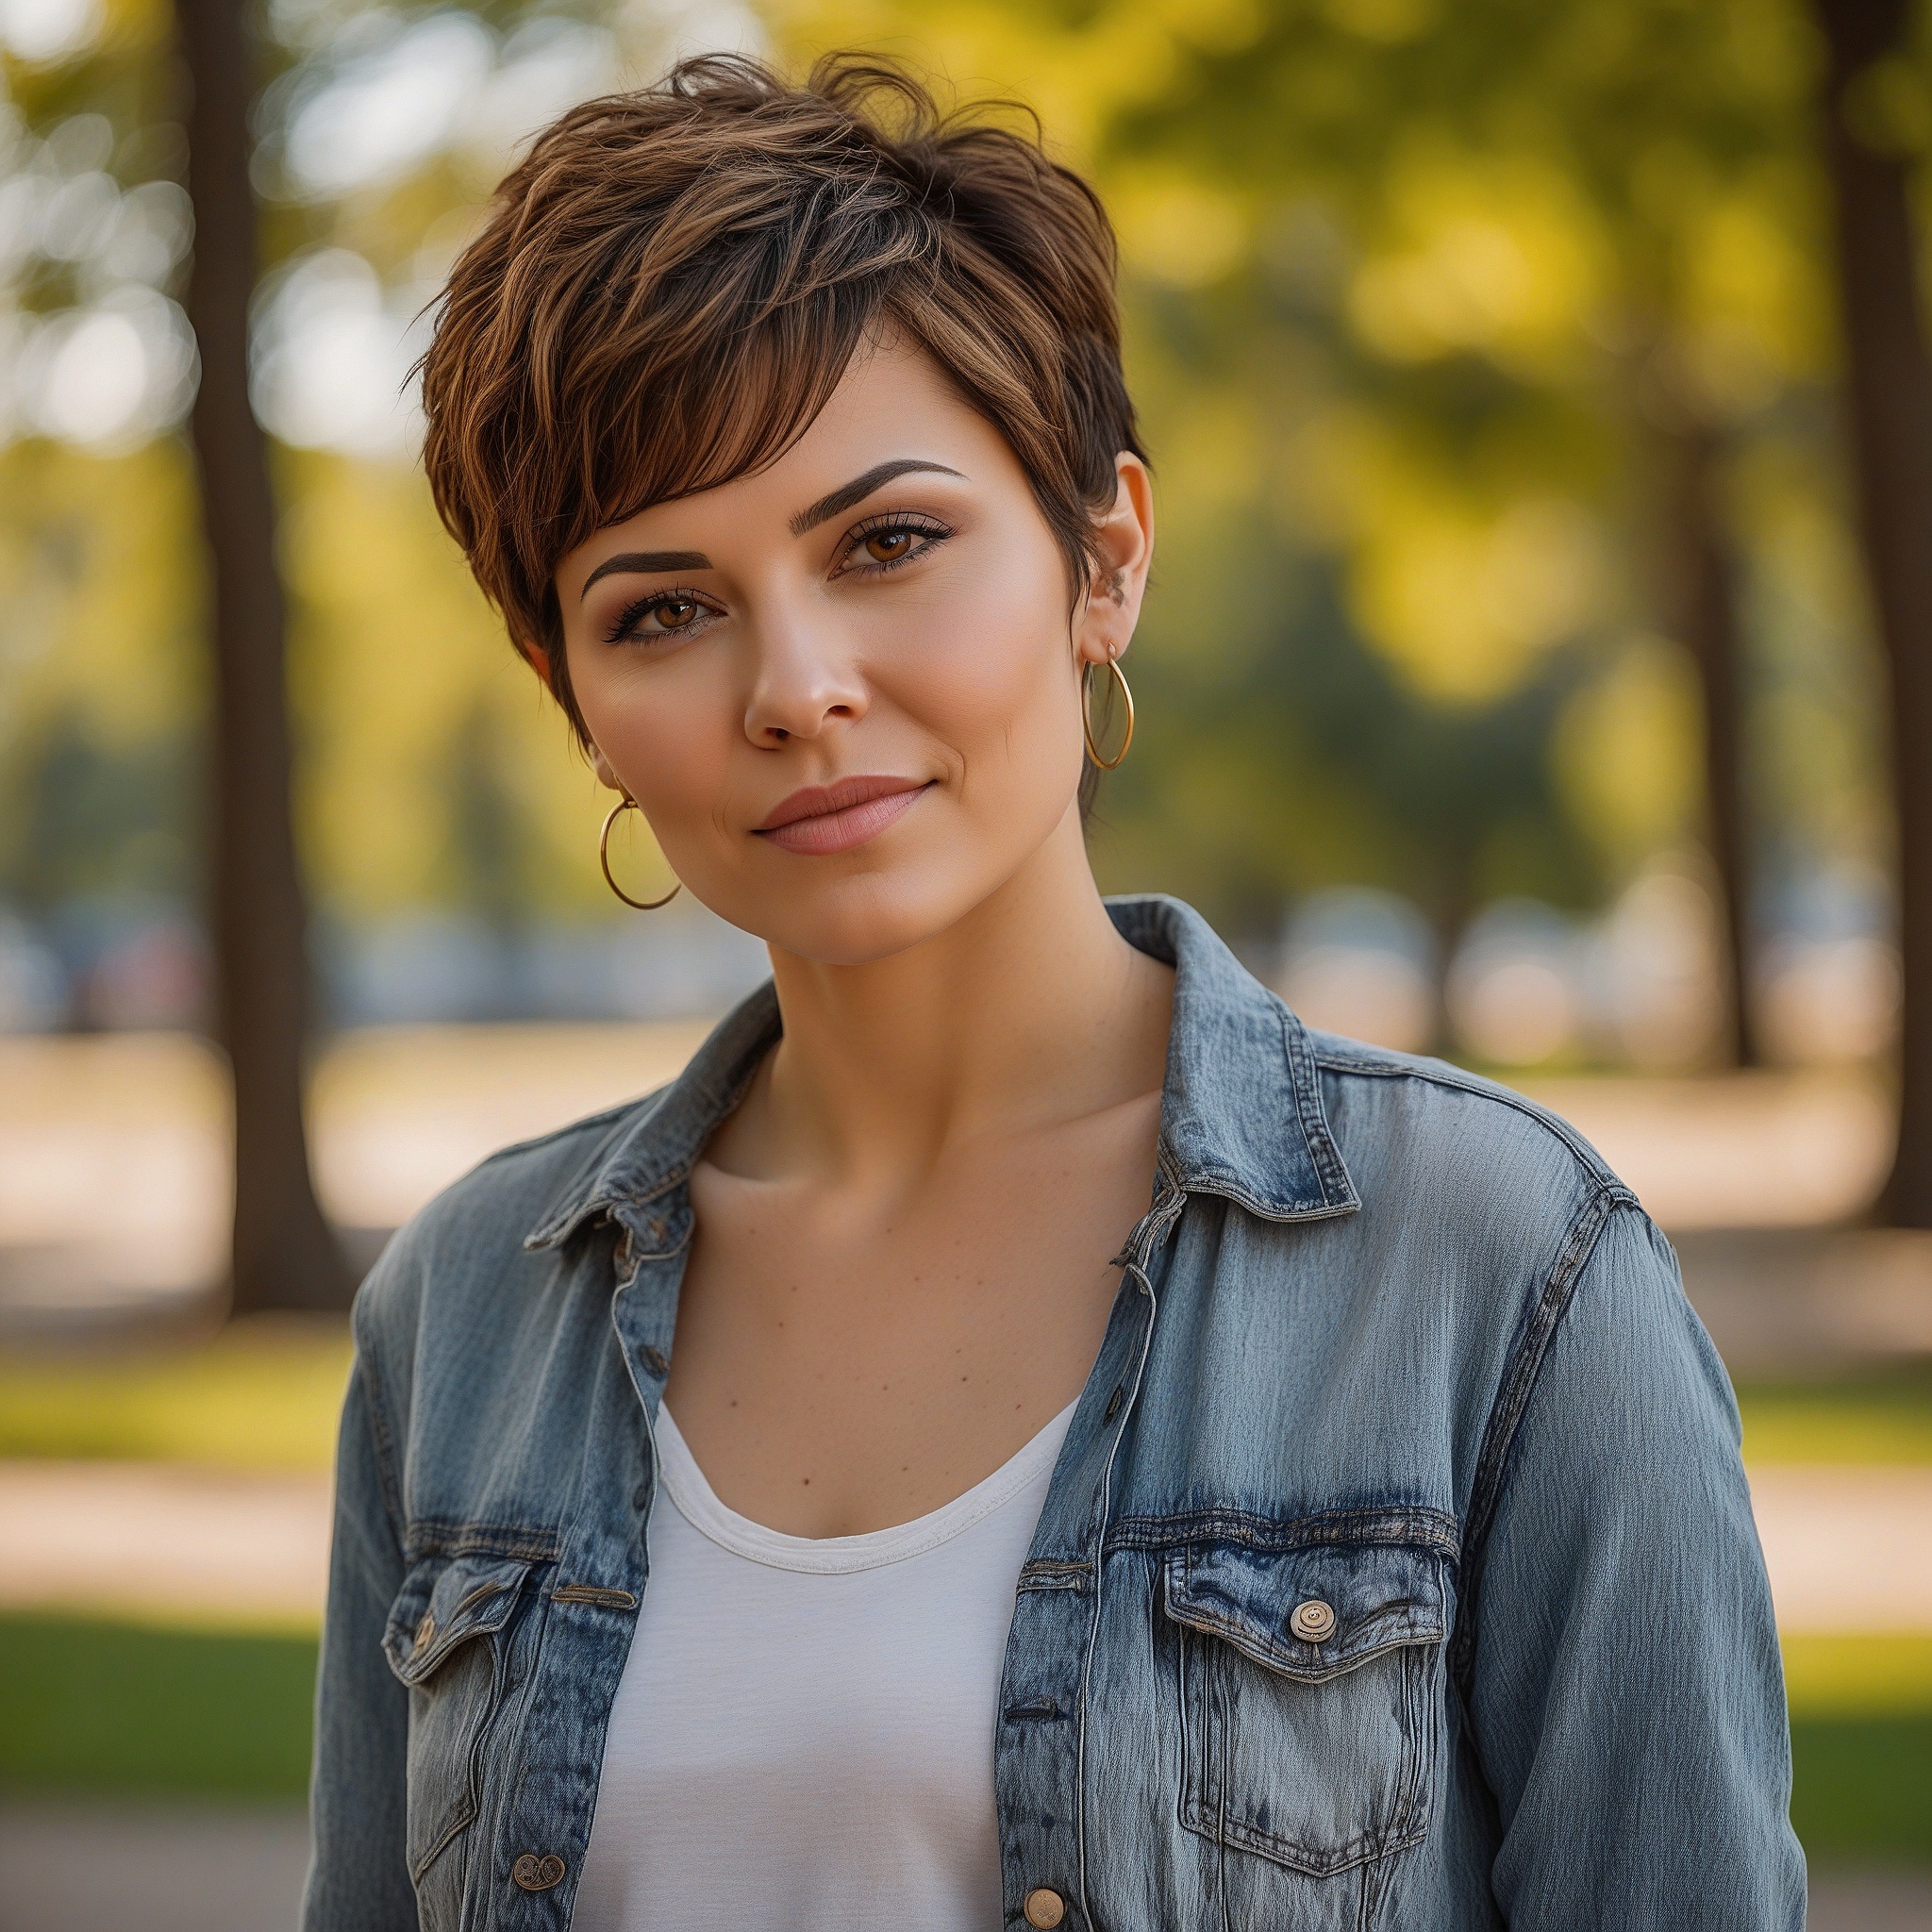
x=646, y=563
x=860, y=489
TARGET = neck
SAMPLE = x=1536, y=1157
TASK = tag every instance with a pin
x=1030, y=1010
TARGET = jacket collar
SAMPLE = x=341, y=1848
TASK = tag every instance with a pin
x=1242, y=1111
x=1240, y=1114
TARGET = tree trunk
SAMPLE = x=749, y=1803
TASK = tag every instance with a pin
x=1704, y=614
x=1890, y=384
x=284, y=1255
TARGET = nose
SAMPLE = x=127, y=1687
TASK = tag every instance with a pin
x=804, y=681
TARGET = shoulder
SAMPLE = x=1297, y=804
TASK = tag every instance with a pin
x=1430, y=1105
x=1424, y=1137
x=1484, y=1202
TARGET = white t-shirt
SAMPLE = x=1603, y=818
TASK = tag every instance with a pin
x=802, y=1737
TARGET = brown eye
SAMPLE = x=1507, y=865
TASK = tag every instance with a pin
x=676, y=613
x=889, y=546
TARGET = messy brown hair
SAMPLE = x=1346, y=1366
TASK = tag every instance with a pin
x=673, y=282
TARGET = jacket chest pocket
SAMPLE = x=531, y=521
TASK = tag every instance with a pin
x=447, y=1640
x=1306, y=1686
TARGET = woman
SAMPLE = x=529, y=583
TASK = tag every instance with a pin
x=1136, y=1463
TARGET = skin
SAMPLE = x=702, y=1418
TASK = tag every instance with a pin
x=902, y=1268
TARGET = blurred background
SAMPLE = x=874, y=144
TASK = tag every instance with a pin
x=1540, y=647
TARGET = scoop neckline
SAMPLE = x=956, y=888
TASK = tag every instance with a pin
x=686, y=1486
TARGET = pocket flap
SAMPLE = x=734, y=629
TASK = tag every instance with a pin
x=446, y=1601
x=1309, y=1614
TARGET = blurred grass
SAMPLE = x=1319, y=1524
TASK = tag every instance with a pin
x=262, y=1393
x=1883, y=1417
x=99, y=1706
x=1868, y=1675
x=1861, y=1787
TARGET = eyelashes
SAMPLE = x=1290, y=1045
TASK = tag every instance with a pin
x=868, y=546
x=629, y=626
x=878, y=544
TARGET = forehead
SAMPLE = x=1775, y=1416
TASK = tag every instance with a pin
x=892, y=402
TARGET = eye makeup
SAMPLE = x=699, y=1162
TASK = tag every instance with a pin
x=866, y=548
x=629, y=626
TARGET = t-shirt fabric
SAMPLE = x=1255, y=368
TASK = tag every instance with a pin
x=803, y=1736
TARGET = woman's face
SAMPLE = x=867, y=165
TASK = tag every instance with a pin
x=843, y=690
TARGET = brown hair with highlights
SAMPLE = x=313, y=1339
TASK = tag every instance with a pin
x=673, y=282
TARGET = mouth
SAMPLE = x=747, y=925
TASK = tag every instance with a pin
x=833, y=817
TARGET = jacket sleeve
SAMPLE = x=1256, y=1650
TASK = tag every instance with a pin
x=359, y=1878
x=1624, y=1689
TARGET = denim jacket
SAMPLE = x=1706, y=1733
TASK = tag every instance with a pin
x=1397, y=1571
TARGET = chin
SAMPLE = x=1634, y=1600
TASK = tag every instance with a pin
x=855, y=919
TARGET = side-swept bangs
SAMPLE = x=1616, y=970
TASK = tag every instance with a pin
x=673, y=281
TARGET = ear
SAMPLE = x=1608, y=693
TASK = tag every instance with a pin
x=538, y=659
x=607, y=777
x=1104, y=627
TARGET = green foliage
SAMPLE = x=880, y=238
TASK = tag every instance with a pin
x=1418, y=297
x=438, y=772
x=1426, y=292
x=100, y=681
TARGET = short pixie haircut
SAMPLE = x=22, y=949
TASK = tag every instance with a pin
x=672, y=283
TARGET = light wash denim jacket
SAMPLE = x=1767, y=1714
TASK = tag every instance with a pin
x=1398, y=1569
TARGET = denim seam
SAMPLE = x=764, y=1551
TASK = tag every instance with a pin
x=710, y=1099
x=1338, y=1191
x=471, y=1806
x=1482, y=1089
x=1201, y=1183
x=380, y=1434
x=1212, y=1821
x=1045, y=1574
x=1169, y=1204
x=555, y=1218
x=1512, y=1400
x=1137, y=1267
x=433, y=1536
x=506, y=1727
x=1425, y=1528
x=1238, y=1634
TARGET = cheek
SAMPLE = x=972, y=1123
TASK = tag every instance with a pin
x=988, y=673
x=665, y=728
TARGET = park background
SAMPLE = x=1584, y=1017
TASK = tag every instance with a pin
x=1510, y=686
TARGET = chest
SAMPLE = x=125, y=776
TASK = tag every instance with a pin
x=800, y=1734
x=841, y=1362
x=1163, y=1736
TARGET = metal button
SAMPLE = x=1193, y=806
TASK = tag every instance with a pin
x=424, y=1631
x=1312, y=1621
x=536, y=1874
x=1045, y=1907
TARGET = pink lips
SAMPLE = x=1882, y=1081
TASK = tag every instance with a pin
x=835, y=818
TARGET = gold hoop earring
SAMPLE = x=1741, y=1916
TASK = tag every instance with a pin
x=1086, y=716
x=626, y=803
